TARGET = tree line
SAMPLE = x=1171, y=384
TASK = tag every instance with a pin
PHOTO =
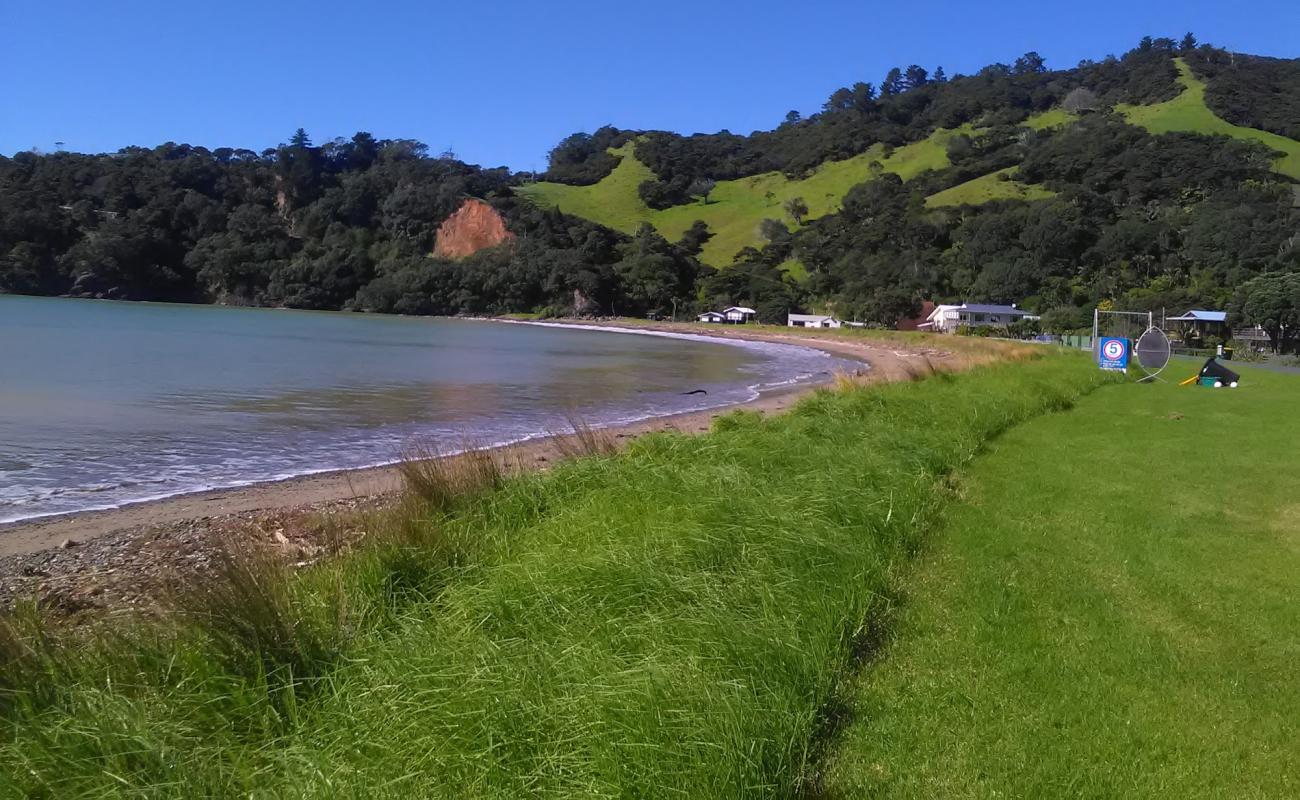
x=349, y=224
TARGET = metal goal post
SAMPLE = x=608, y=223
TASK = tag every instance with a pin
x=1121, y=324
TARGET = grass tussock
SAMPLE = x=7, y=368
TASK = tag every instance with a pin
x=258, y=628
x=24, y=653
x=583, y=440
x=918, y=368
x=678, y=618
x=440, y=481
x=843, y=381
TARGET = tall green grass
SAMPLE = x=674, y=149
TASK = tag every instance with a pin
x=670, y=621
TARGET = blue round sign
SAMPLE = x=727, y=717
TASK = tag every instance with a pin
x=1113, y=353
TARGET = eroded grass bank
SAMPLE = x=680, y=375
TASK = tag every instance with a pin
x=670, y=621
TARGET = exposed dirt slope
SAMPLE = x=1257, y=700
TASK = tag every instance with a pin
x=474, y=226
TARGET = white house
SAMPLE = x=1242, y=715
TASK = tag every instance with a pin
x=948, y=318
x=812, y=321
x=739, y=314
x=712, y=316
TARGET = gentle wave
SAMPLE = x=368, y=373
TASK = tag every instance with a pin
x=784, y=365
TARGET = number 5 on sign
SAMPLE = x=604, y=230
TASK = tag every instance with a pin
x=1112, y=353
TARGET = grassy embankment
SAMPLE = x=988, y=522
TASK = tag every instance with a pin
x=671, y=621
x=1188, y=113
x=1110, y=611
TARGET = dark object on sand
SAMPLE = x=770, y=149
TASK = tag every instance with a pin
x=696, y=391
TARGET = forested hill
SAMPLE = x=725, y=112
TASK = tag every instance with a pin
x=1165, y=177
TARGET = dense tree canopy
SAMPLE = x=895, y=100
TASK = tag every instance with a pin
x=1249, y=90
x=350, y=224
x=1146, y=221
x=908, y=107
x=1272, y=301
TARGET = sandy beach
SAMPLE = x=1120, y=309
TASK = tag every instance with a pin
x=97, y=558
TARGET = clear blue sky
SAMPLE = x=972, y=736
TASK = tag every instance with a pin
x=501, y=82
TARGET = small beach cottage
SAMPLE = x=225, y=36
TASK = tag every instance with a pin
x=712, y=316
x=1198, y=323
x=812, y=321
x=739, y=315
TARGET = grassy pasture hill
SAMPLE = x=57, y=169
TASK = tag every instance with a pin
x=1188, y=113
x=736, y=207
x=998, y=185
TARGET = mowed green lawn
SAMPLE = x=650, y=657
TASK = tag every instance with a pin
x=1110, y=611
x=1188, y=113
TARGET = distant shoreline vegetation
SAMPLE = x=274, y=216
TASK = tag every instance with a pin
x=1017, y=184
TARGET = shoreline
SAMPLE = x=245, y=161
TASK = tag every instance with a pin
x=22, y=537
x=37, y=534
x=138, y=554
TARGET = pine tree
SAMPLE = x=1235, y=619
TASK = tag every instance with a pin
x=893, y=83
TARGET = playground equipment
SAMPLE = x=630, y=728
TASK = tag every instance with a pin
x=1214, y=375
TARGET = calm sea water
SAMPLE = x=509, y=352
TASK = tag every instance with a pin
x=105, y=403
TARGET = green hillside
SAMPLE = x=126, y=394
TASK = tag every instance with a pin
x=1053, y=118
x=1188, y=113
x=735, y=208
x=994, y=186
